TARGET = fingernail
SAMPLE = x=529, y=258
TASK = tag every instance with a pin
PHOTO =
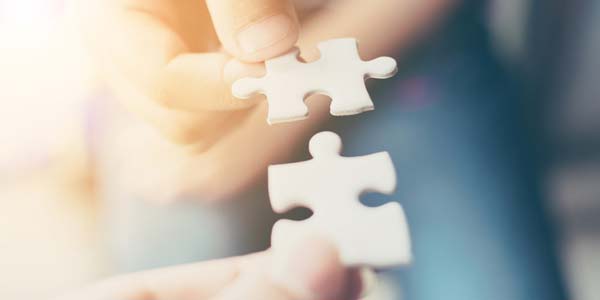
x=264, y=33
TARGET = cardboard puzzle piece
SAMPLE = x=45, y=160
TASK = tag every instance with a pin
x=340, y=73
x=330, y=185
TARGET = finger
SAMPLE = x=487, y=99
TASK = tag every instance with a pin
x=202, y=82
x=310, y=272
x=156, y=64
x=253, y=283
x=197, y=129
x=188, y=282
x=193, y=282
x=153, y=55
x=255, y=30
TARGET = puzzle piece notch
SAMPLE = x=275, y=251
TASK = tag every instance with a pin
x=329, y=175
x=339, y=73
x=330, y=185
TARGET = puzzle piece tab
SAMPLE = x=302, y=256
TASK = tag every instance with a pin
x=330, y=185
x=340, y=73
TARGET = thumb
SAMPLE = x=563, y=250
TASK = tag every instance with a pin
x=312, y=272
x=254, y=30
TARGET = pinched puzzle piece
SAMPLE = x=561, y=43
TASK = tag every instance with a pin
x=339, y=73
x=330, y=185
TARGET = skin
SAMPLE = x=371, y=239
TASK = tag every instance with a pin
x=312, y=273
x=173, y=62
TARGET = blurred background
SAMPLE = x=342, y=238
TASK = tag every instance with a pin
x=66, y=214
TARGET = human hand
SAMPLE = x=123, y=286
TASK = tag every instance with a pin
x=173, y=62
x=167, y=63
x=312, y=272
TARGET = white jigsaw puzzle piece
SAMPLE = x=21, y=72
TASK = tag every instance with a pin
x=339, y=73
x=330, y=185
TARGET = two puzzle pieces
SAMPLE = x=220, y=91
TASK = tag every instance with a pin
x=330, y=185
x=339, y=73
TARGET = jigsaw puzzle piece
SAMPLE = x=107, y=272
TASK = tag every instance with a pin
x=292, y=109
x=347, y=89
x=347, y=102
x=376, y=237
x=277, y=84
x=278, y=70
x=329, y=175
x=283, y=63
x=330, y=185
x=346, y=77
x=339, y=73
x=342, y=53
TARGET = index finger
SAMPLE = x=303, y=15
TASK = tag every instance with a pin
x=168, y=51
x=189, y=282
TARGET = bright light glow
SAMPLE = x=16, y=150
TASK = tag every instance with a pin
x=26, y=22
x=28, y=13
x=43, y=79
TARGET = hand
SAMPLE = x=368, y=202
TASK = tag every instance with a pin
x=313, y=272
x=173, y=62
x=167, y=63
